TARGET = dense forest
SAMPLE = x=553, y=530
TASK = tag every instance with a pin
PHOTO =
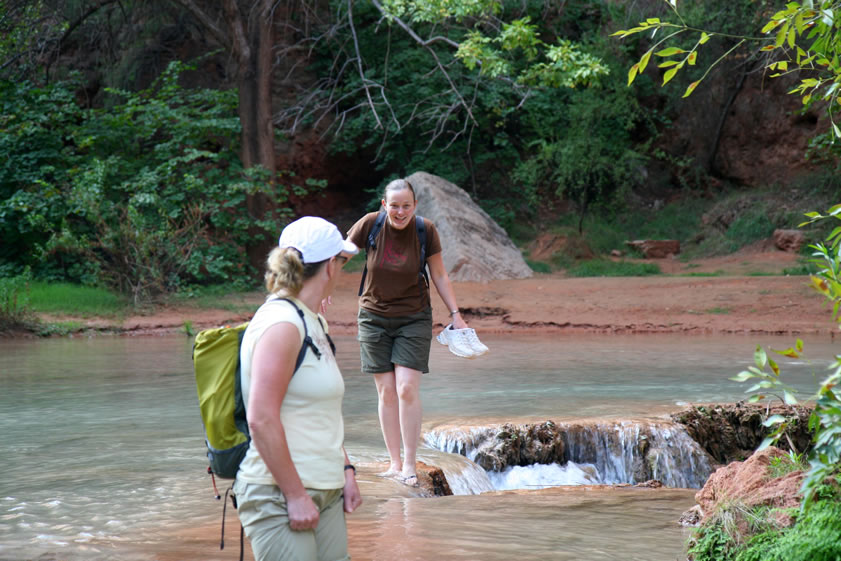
x=159, y=144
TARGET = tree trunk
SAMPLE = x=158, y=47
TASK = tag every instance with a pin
x=252, y=48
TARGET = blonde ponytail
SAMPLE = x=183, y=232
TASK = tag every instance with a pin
x=286, y=271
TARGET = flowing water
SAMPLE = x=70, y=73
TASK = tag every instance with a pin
x=102, y=455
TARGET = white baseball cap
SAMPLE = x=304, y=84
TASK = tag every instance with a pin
x=316, y=239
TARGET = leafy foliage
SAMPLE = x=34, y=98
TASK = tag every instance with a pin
x=145, y=195
x=815, y=537
x=15, y=310
x=802, y=36
x=825, y=421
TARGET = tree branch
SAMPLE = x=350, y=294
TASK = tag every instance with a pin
x=359, y=64
x=428, y=46
x=207, y=22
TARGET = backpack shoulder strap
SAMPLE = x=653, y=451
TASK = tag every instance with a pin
x=423, y=276
x=372, y=243
x=308, y=342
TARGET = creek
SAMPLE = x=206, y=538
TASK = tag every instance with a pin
x=103, y=455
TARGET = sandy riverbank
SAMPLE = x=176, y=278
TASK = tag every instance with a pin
x=747, y=294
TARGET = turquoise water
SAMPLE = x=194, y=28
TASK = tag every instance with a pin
x=103, y=456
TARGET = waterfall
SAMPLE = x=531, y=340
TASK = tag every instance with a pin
x=605, y=452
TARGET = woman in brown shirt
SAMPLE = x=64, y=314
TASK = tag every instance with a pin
x=395, y=319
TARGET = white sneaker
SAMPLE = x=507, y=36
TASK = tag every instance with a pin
x=462, y=342
x=479, y=348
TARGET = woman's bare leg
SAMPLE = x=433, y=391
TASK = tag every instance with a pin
x=388, y=409
x=410, y=412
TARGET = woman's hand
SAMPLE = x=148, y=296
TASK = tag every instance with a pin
x=458, y=322
x=353, y=498
x=303, y=514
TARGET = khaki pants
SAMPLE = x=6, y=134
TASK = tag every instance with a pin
x=262, y=512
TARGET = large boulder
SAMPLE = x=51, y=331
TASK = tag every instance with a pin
x=475, y=247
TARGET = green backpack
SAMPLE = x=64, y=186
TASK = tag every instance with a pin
x=217, y=368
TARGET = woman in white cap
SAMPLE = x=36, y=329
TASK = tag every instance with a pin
x=296, y=482
x=395, y=316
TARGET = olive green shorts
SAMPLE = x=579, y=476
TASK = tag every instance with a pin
x=262, y=512
x=384, y=342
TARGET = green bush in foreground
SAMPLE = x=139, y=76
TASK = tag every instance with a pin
x=15, y=311
x=815, y=536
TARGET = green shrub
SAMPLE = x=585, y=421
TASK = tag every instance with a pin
x=816, y=536
x=15, y=309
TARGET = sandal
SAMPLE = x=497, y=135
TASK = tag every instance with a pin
x=409, y=480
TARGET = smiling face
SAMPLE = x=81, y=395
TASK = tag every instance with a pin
x=400, y=207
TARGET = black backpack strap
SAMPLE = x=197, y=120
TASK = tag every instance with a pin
x=423, y=276
x=372, y=243
x=308, y=342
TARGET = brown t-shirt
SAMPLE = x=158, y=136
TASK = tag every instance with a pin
x=391, y=286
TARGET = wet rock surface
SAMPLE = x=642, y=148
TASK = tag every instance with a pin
x=432, y=481
x=731, y=432
x=622, y=452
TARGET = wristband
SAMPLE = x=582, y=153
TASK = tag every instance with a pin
x=454, y=312
x=350, y=466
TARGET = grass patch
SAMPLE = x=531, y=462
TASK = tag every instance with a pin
x=750, y=227
x=58, y=329
x=717, y=310
x=607, y=268
x=803, y=269
x=783, y=465
x=219, y=296
x=539, y=266
x=717, y=273
x=75, y=300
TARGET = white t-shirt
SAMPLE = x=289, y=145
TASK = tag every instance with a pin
x=311, y=411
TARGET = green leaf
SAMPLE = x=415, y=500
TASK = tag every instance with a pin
x=798, y=344
x=773, y=420
x=836, y=130
x=667, y=64
x=693, y=56
x=789, y=398
x=691, y=88
x=781, y=36
x=769, y=440
x=670, y=51
x=669, y=75
x=773, y=366
x=759, y=357
x=770, y=25
x=742, y=376
x=644, y=60
x=632, y=73
x=704, y=38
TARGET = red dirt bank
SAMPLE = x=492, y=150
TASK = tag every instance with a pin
x=734, y=302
